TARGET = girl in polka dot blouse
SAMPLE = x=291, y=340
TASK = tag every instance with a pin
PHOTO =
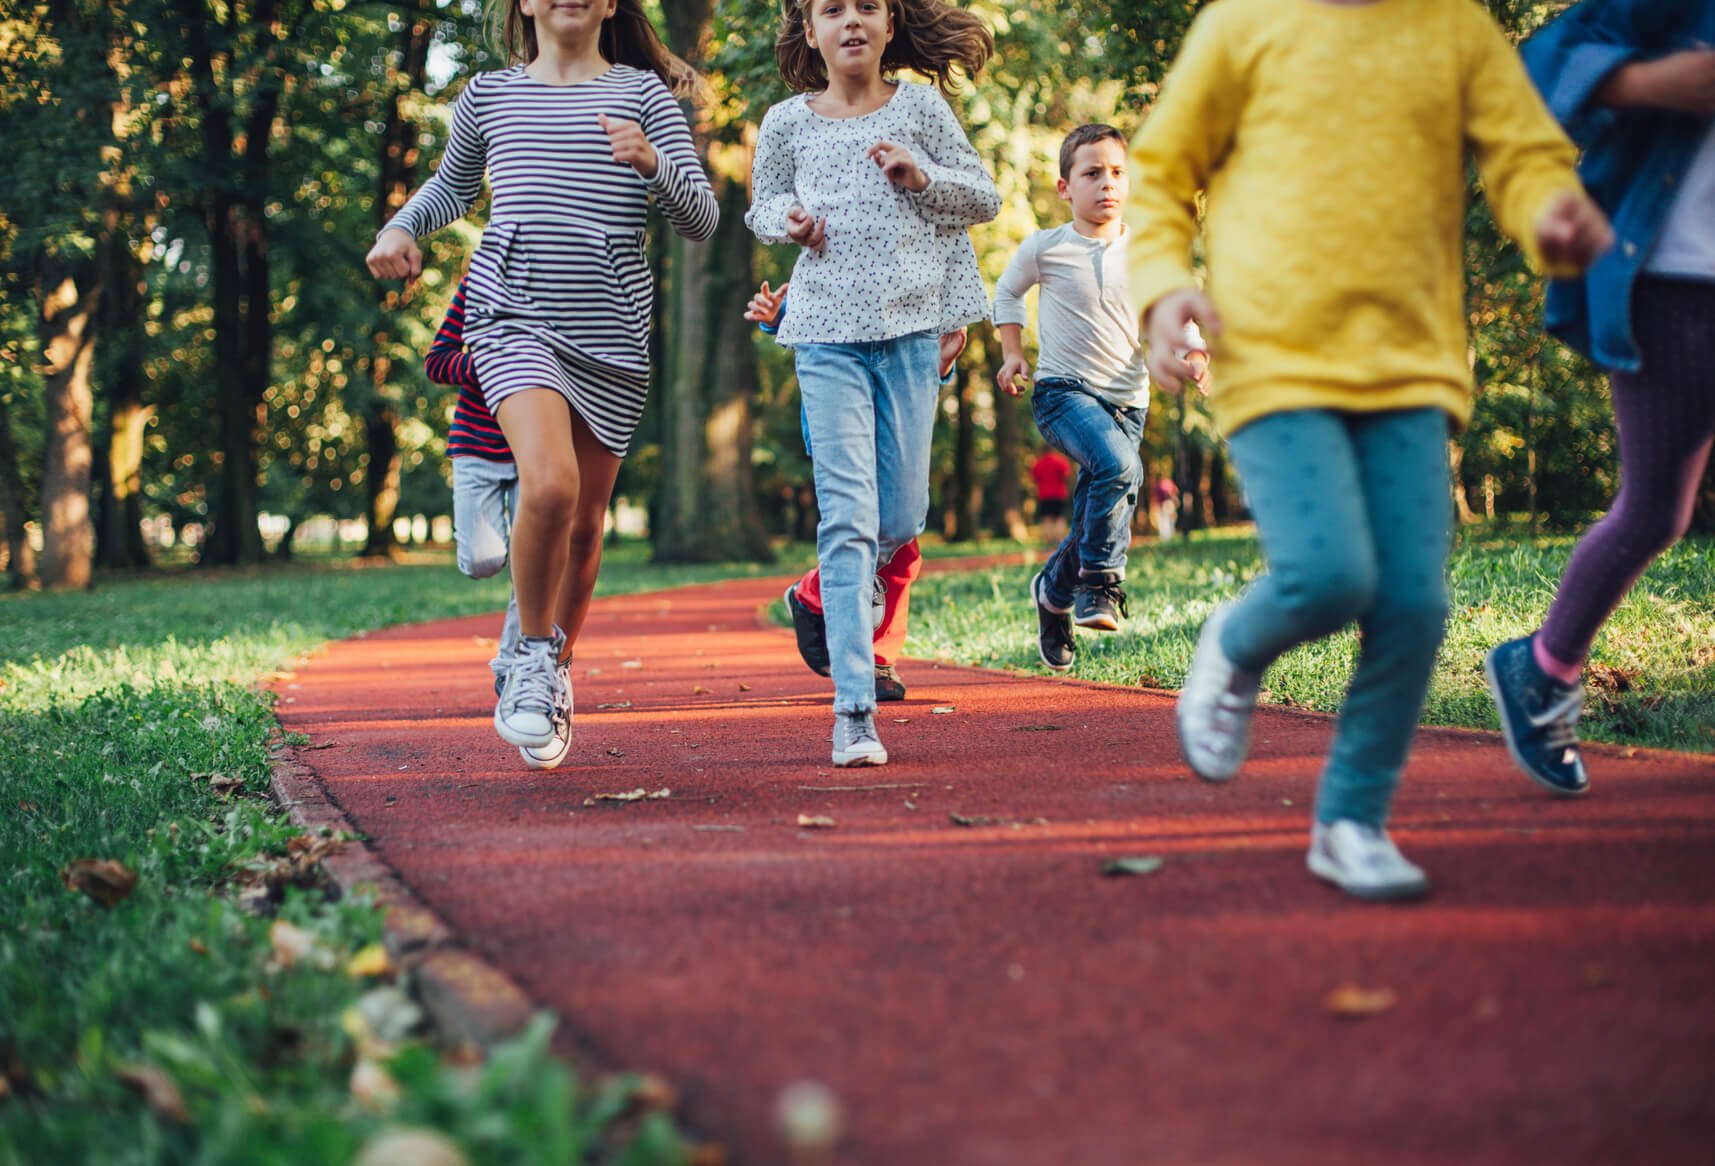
x=870, y=175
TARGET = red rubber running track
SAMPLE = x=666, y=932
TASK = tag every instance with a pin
x=980, y=993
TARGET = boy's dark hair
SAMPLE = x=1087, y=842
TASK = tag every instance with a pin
x=1085, y=135
x=930, y=37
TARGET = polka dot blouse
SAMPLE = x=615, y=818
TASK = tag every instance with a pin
x=885, y=267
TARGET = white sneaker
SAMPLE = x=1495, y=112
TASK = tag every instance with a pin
x=536, y=688
x=1363, y=861
x=550, y=755
x=855, y=740
x=1215, y=706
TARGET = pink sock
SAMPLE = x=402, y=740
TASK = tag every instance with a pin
x=1565, y=673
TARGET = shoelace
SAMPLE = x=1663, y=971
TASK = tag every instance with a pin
x=861, y=728
x=1116, y=593
x=1561, y=719
x=536, y=681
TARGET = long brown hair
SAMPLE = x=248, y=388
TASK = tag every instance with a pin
x=929, y=37
x=627, y=38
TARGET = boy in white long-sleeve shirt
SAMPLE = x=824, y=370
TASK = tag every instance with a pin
x=1092, y=388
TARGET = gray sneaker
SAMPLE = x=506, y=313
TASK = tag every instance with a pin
x=537, y=689
x=855, y=742
x=1363, y=861
x=1215, y=706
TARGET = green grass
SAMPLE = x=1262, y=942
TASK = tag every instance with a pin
x=115, y=707
x=1651, y=680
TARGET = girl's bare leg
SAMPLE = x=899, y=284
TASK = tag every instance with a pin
x=597, y=469
x=539, y=426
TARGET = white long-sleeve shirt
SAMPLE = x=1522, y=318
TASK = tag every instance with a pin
x=1086, y=326
x=883, y=272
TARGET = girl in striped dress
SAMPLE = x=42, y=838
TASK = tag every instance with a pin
x=867, y=173
x=576, y=140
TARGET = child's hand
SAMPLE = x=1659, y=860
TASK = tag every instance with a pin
x=629, y=144
x=1572, y=232
x=805, y=230
x=899, y=166
x=395, y=255
x=1014, y=376
x=1683, y=82
x=764, y=306
x=952, y=343
x=1166, y=320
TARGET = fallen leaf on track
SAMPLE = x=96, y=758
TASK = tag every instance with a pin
x=615, y=704
x=1350, y=1002
x=816, y=822
x=1145, y=864
x=616, y=753
x=158, y=1089
x=699, y=690
x=959, y=819
x=944, y=708
x=744, y=688
x=1038, y=728
x=630, y=795
x=102, y=879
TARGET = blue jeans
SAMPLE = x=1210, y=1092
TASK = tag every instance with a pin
x=869, y=410
x=1355, y=515
x=485, y=497
x=1102, y=438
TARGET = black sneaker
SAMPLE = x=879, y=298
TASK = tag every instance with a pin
x=1098, y=602
x=1539, y=717
x=1053, y=630
x=812, y=632
x=888, y=686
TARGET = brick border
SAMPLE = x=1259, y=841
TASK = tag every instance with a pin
x=466, y=997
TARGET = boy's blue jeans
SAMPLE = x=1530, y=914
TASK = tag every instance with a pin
x=1354, y=511
x=1102, y=439
x=485, y=497
x=869, y=409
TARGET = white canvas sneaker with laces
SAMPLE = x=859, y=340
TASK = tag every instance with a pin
x=550, y=755
x=855, y=740
x=1215, y=706
x=1363, y=861
x=536, y=688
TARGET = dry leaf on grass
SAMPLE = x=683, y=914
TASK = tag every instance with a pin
x=816, y=821
x=199, y=947
x=291, y=943
x=373, y=1087
x=407, y=1147
x=102, y=879
x=220, y=783
x=159, y=1090
x=1351, y=1002
x=1141, y=865
x=369, y=961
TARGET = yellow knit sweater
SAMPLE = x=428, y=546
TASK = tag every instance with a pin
x=1330, y=142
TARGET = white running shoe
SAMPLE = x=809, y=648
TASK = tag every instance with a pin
x=855, y=740
x=537, y=687
x=1215, y=706
x=1363, y=861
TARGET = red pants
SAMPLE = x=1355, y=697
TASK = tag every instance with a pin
x=897, y=575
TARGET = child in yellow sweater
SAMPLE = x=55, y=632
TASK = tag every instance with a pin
x=1329, y=139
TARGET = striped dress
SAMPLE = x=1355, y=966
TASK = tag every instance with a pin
x=474, y=432
x=558, y=294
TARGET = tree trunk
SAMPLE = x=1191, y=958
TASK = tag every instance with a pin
x=707, y=508
x=708, y=505
x=1008, y=495
x=1463, y=514
x=20, y=555
x=967, y=495
x=68, y=344
x=120, y=538
x=381, y=481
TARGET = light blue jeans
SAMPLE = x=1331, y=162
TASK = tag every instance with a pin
x=1355, y=514
x=1102, y=438
x=869, y=410
x=485, y=497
